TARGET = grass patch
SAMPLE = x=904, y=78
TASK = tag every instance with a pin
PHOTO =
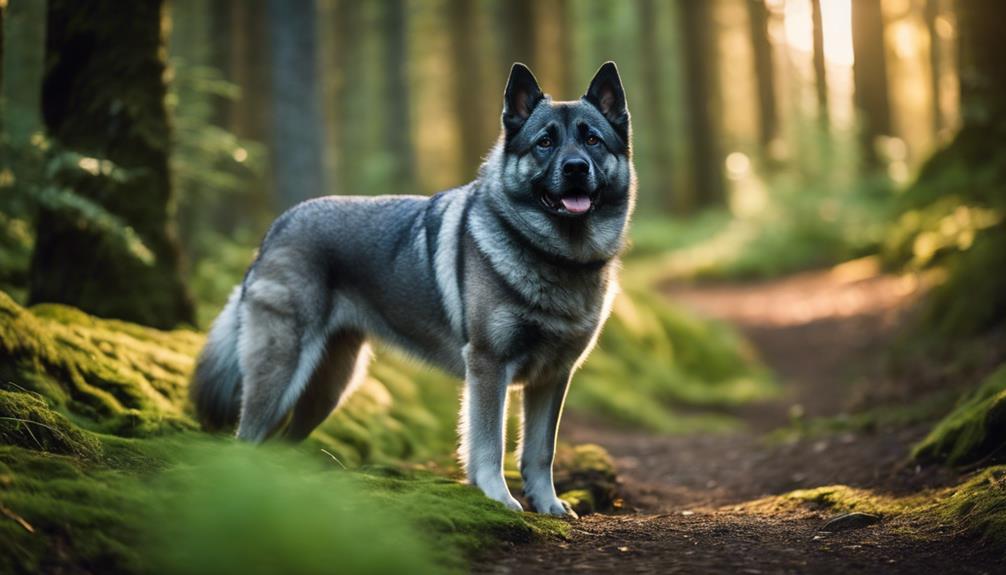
x=974, y=430
x=220, y=506
x=653, y=362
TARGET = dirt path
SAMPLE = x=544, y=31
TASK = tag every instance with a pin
x=822, y=333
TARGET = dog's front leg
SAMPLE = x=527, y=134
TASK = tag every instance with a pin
x=543, y=399
x=482, y=424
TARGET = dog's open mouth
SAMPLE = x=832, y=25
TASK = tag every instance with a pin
x=571, y=203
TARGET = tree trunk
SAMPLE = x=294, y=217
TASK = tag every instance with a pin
x=761, y=49
x=3, y=8
x=103, y=96
x=467, y=83
x=702, y=95
x=298, y=124
x=397, y=124
x=24, y=52
x=983, y=68
x=820, y=70
x=870, y=75
x=653, y=93
x=932, y=12
x=349, y=122
x=519, y=44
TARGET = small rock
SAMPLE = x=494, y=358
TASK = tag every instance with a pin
x=849, y=521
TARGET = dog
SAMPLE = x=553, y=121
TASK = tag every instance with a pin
x=506, y=280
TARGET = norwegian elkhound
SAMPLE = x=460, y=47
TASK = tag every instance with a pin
x=505, y=280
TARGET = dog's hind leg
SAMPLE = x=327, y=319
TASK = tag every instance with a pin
x=343, y=365
x=278, y=353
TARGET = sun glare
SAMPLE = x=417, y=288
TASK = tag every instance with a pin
x=836, y=16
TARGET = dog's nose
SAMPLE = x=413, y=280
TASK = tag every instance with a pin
x=575, y=167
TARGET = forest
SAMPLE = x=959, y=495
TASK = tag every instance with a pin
x=804, y=369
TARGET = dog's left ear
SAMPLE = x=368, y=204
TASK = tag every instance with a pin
x=521, y=96
x=606, y=94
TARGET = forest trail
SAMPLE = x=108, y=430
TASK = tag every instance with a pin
x=686, y=497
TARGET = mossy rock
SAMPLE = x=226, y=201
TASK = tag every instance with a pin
x=26, y=421
x=112, y=376
x=585, y=477
x=975, y=429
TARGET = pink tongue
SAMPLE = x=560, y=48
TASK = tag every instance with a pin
x=576, y=204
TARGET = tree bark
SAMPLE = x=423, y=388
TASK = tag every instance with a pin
x=653, y=94
x=103, y=97
x=3, y=8
x=298, y=125
x=519, y=43
x=702, y=94
x=467, y=83
x=397, y=124
x=761, y=49
x=820, y=69
x=983, y=68
x=870, y=75
x=932, y=12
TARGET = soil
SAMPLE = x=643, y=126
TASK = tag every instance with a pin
x=824, y=334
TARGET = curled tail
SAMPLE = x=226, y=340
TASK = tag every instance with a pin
x=216, y=383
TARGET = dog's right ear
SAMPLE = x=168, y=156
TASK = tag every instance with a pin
x=521, y=96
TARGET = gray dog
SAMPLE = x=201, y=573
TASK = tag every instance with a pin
x=505, y=280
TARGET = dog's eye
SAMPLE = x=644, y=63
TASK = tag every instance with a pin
x=545, y=142
x=593, y=140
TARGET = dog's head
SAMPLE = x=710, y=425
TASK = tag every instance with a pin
x=574, y=154
x=567, y=165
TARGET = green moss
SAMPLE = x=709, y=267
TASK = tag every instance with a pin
x=109, y=375
x=979, y=506
x=652, y=358
x=123, y=483
x=587, y=474
x=975, y=507
x=975, y=429
x=26, y=421
x=924, y=409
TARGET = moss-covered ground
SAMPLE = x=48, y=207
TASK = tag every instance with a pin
x=102, y=468
x=976, y=507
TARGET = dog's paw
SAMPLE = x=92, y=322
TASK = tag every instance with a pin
x=510, y=502
x=556, y=507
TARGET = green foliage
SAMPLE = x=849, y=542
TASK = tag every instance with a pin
x=902, y=414
x=972, y=300
x=974, y=430
x=953, y=218
x=652, y=358
x=35, y=174
x=799, y=225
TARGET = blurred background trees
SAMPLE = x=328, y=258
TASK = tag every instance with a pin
x=784, y=132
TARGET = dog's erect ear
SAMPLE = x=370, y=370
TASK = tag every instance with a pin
x=606, y=94
x=521, y=96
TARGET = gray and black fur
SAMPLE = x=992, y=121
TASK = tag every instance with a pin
x=506, y=280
